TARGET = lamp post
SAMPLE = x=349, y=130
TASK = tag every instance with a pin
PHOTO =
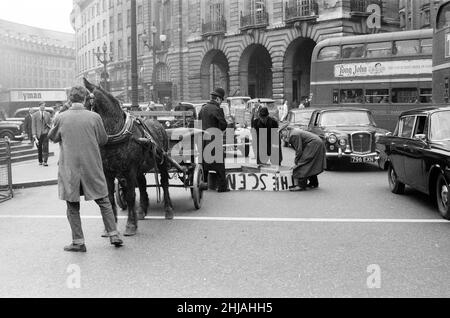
x=152, y=48
x=103, y=59
x=134, y=62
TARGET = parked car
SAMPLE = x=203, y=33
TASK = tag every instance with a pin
x=12, y=129
x=265, y=102
x=419, y=154
x=297, y=119
x=349, y=134
x=21, y=113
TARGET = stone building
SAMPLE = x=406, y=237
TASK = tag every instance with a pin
x=418, y=14
x=35, y=58
x=259, y=48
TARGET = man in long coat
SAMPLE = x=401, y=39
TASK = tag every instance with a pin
x=310, y=159
x=212, y=116
x=80, y=134
x=264, y=127
x=41, y=122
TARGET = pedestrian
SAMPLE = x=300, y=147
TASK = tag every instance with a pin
x=41, y=122
x=310, y=160
x=284, y=111
x=264, y=127
x=27, y=125
x=212, y=116
x=81, y=172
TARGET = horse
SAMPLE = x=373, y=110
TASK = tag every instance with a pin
x=128, y=155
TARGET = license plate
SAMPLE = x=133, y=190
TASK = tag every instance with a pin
x=362, y=160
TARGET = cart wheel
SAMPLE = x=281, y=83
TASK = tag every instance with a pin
x=198, y=186
x=120, y=199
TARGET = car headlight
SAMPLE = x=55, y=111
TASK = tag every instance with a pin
x=167, y=124
x=332, y=139
x=342, y=142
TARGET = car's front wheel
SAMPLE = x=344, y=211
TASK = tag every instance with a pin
x=8, y=134
x=395, y=185
x=442, y=198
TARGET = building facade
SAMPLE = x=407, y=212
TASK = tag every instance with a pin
x=35, y=58
x=418, y=14
x=254, y=48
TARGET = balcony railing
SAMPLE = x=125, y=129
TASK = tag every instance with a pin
x=360, y=6
x=306, y=10
x=254, y=20
x=213, y=27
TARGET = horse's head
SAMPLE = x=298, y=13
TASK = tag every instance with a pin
x=107, y=106
x=100, y=101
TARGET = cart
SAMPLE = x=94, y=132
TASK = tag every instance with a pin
x=183, y=162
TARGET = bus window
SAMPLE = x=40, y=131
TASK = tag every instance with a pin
x=352, y=96
x=405, y=95
x=444, y=17
x=330, y=53
x=381, y=49
x=410, y=47
x=426, y=95
x=426, y=46
x=377, y=96
x=353, y=51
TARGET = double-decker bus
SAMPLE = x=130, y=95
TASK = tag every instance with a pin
x=441, y=56
x=386, y=73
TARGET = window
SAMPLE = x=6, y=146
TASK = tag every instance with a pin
x=381, y=49
x=440, y=126
x=129, y=46
x=119, y=49
x=111, y=4
x=104, y=27
x=406, y=126
x=421, y=126
x=140, y=15
x=444, y=17
x=377, y=96
x=98, y=31
x=426, y=46
x=111, y=24
x=119, y=22
x=128, y=17
x=426, y=95
x=353, y=51
x=409, y=47
x=351, y=96
x=329, y=53
x=405, y=95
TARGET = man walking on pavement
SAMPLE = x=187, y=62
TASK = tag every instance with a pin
x=41, y=123
x=80, y=134
x=212, y=116
x=27, y=125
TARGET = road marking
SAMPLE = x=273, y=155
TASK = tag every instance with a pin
x=243, y=219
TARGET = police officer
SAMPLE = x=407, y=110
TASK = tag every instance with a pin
x=212, y=116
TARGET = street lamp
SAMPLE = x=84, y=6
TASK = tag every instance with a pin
x=152, y=47
x=103, y=59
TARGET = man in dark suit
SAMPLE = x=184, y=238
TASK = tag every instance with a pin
x=41, y=123
x=267, y=147
x=212, y=116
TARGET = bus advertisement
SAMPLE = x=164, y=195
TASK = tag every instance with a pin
x=386, y=73
x=13, y=99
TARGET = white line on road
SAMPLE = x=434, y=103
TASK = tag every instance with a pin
x=243, y=219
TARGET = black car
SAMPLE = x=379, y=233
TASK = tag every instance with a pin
x=297, y=119
x=418, y=153
x=349, y=134
x=12, y=129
